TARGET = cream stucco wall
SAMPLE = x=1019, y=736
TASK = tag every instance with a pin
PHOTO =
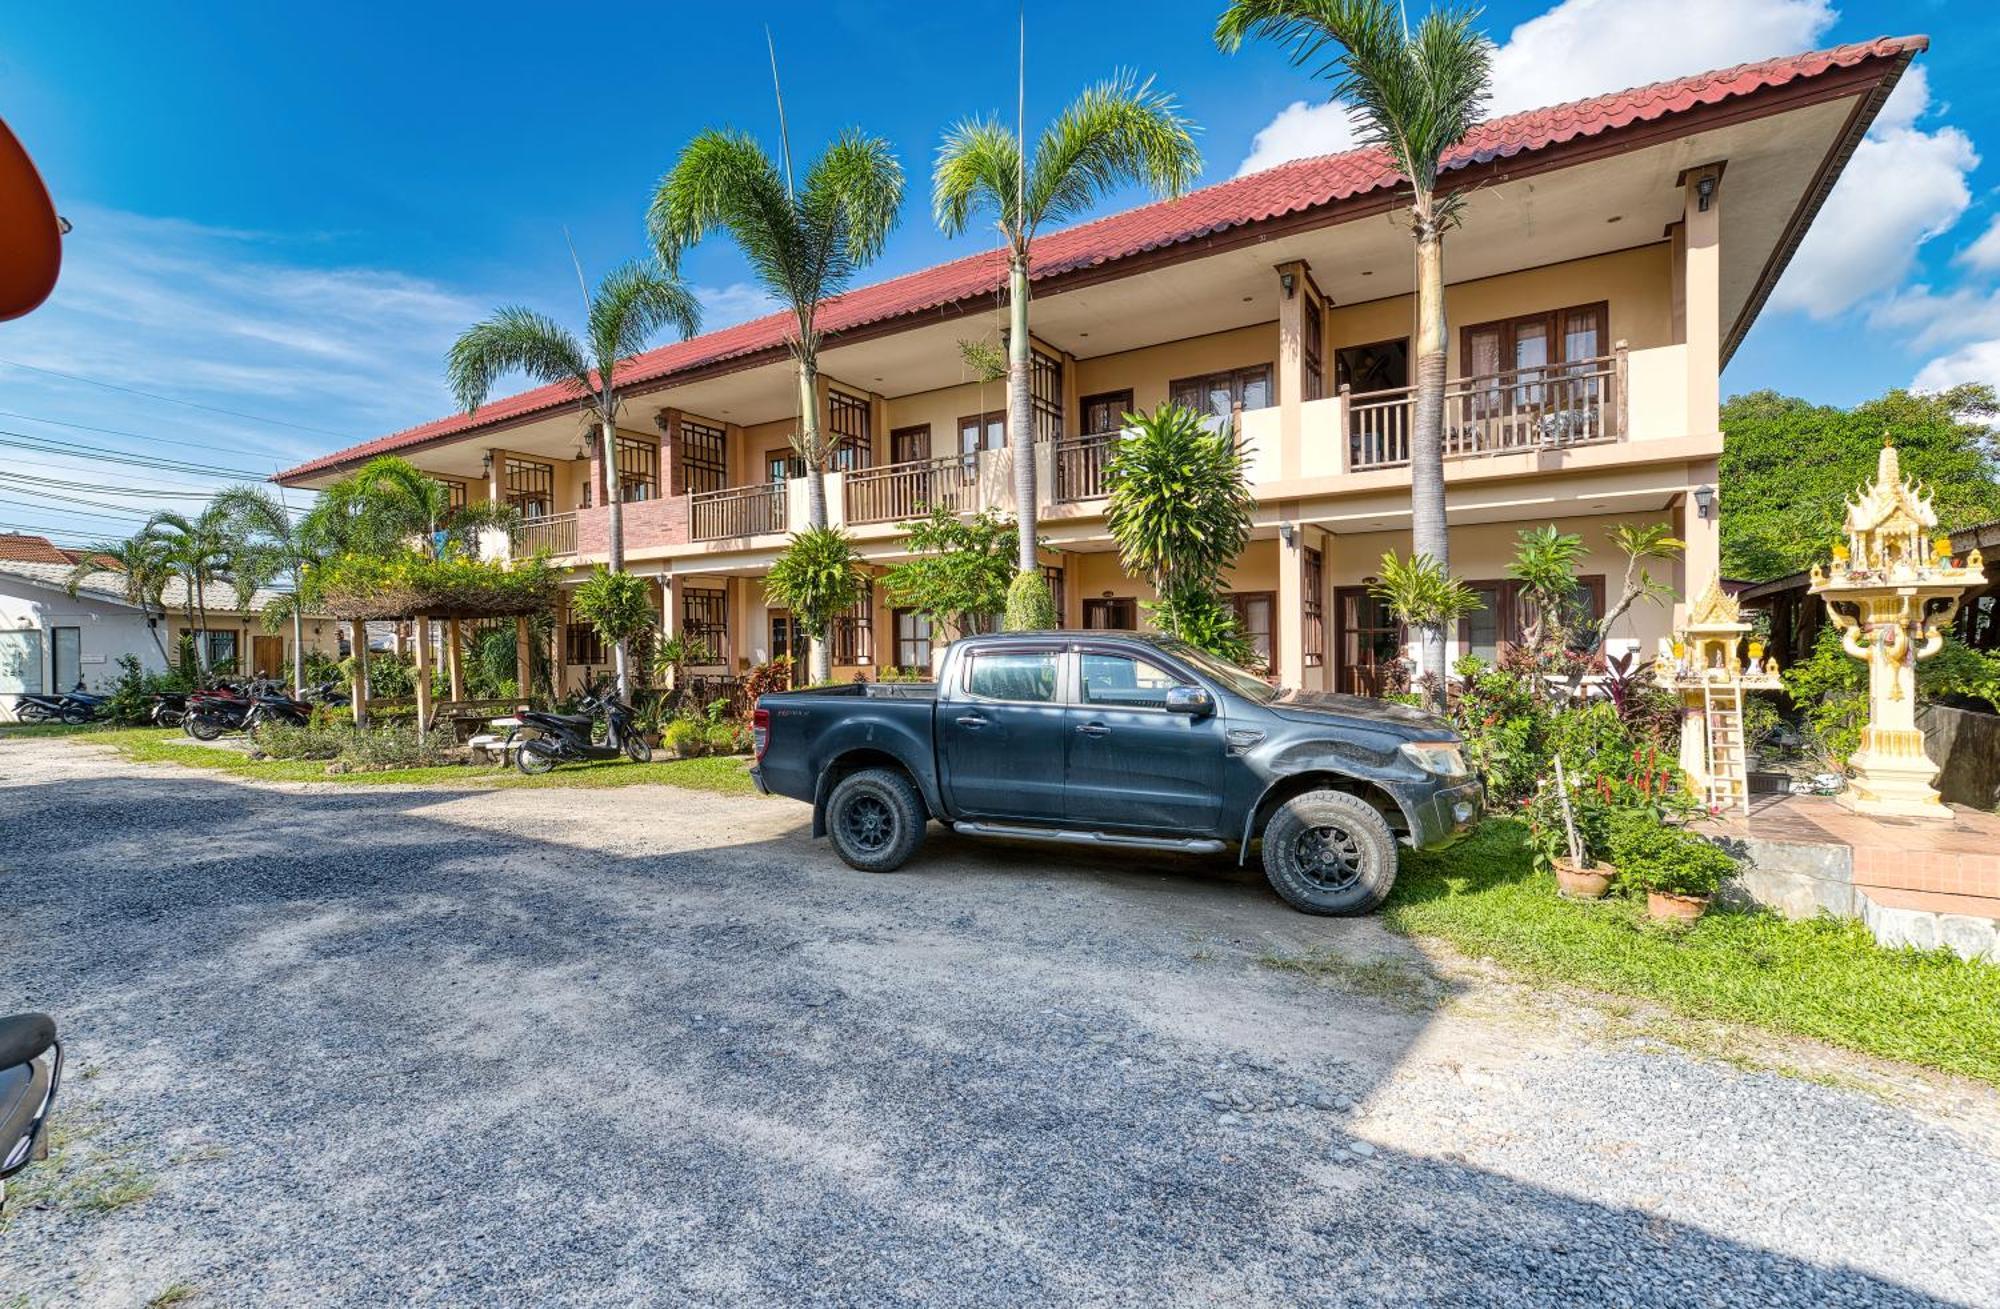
x=1149, y=372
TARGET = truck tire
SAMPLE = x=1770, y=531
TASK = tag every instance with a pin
x=875, y=819
x=1328, y=852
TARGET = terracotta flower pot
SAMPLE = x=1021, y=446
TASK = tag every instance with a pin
x=1575, y=883
x=1667, y=907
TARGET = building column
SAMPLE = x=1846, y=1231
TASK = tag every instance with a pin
x=1701, y=226
x=1289, y=640
x=1293, y=306
x=1701, y=561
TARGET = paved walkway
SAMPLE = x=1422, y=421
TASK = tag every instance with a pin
x=379, y=1046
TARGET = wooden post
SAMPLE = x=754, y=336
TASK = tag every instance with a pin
x=457, y=664
x=423, y=635
x=1621, y=391
x=524, y=663
x=360, y=689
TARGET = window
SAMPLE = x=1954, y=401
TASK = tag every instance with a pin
x=1111, y=614
x=66, y=657
x=847, y=425
x=455, y=492
x=853, y=632
x=1371, y=643
x=1024, y=676
x=1377, y=366
x=1055, y=576
x=909, y=444
x=703, y=450
x=1105, y=412
x=1313, y=608
x=582, y=646
x=783, y=463
x=978, y=432
x=1502, y=623
x=1045, y=394
x=1220, y=393
x=913, y=640
x=1253, y=619
x=1529, y=346
x=1314, y=348
x=531, y=486
x=638, y=469
x=705, y=620
x=221, y=648
x=1124, y=682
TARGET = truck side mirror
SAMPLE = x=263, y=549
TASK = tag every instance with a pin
x=1193, y=701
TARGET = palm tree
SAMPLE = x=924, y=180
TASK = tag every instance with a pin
x=140, y=563
x=1415, y=95
x=630, y=306
x=1118, y=132
x=272, y=547
x=199, y=550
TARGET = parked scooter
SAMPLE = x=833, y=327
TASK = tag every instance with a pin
x=30, y=1071
x=214, y=711
x=169, y=709
x=74, y=707
x=277, y=707
x=548, y=739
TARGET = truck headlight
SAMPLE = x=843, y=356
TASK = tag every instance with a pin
x=1440, y=758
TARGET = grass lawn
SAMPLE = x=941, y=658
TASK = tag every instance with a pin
x=153, y=745
x=1824, y=978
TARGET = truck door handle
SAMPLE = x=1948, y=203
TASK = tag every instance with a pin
x=1093, y=729
x=972, y=720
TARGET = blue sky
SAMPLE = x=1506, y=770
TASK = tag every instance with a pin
x=287, y=211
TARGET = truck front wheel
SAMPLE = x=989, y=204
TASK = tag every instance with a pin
x=875, y=819
x=1328, y=852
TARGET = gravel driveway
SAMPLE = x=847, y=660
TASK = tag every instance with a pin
x=400, y=1046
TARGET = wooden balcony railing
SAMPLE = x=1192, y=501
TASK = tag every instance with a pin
x=551, y=533
x=1551, y=407
x=895, y=493
x=1079, y=466
x=736, y=511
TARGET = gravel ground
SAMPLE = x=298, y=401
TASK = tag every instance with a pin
x=400, y=1046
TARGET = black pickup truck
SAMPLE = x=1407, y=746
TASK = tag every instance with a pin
x=1122, y=740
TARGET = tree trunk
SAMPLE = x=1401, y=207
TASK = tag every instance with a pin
x=201, y=641
x=298, y=641
x=1427, y=524
x=614, y=528
x=1021, y=411
x=815, y=460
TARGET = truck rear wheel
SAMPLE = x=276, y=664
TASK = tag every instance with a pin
x=1328, y=852
x=876, y=819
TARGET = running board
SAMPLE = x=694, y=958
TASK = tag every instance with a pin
x=1117, y=840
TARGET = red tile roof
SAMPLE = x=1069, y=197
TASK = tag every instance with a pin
x=1257, y=197
x=20, y=548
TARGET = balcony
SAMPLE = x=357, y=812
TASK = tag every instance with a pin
x=1548, y=408
x=552, y=534
x=736, y=511
x=1079, y=467
x=896, y=493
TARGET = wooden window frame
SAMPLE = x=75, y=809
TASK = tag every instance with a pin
x=984, y=424
x=1339, y=364
x=853, y=636
x=701, y=449
x=1119, y=403
x=1341, y=631
x=705, y=618
x=514, y=474
x=1238, y=379
x=1240, y=601
x=850, y=421
x=1045, y=395
x=795, y=464
x=1553, y=321
x=456, y=491
x=1110, y=605
x=583, y=647
x=1057, y=579
x=1511, y=612
x=637, y=460
x=1313, y=345
x=909, y=658
x=1312, y=607
x=904, y=439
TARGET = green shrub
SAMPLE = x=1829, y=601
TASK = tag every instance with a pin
x=721, y=738
x=130, y=699
x=394, y=747
x=1030, y=607
x=316, y=741
x=1651, y=856
x=1831, y=688
x=685, y=737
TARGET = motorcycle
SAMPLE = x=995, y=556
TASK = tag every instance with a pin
x=30, y=1072
x=169, y=709
x=74, y=707
x=210, y=713
x=547, y=739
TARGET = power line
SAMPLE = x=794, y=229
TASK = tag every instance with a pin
x=72, y=513
x=168, y=399
x=160, y=492
x=137, y=436
x=49, y=445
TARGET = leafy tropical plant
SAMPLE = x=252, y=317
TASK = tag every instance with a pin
x=960, y=570
x=201, y=550
x=1420, y=593
x=804, y=245
x=818, y=578
x=1414, y=95
x=631, y=305
x=1651, y=856
x=140, y=562
x=272, y=547
x=1118, y=132
x=1638, y=542
x=619, y=606
x=1179, y=509
x=1030, y=607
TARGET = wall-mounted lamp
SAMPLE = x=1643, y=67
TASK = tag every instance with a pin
x=1704, y=191
x=1369, y=581
x=1288, y=534
x=1290, y=282
x=1704, y=501
x=486, y=463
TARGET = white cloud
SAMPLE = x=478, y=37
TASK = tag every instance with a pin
x=1930, y=318
x=739, y=302
x=1978, y=362
x=1582, y=48
x=1983, y=254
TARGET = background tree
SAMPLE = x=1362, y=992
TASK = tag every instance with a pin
x=804, y=244
x=141, y=564
x=1420, y=593
x=619, y=606
x=272, y=547
x=200, y=550
x=1116, y=133
x=1414, y=95
x=818, y=578
x=633, y=304
x=1179, y=509
x=1544, y=563
x=1789, y=466
x=959, y=570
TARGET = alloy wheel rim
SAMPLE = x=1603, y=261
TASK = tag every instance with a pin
x=1330, y=857
x=869, y=823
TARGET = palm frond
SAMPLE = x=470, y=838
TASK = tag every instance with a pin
x=724, y=180
x=514, y=339
x=977, y=169
x=1117, y=132
x=852, y=195
x=630, y=306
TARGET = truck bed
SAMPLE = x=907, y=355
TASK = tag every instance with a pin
x=866, y=691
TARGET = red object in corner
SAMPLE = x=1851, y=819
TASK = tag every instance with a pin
x=30, y=232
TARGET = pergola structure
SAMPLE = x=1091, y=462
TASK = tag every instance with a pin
x=400, y=604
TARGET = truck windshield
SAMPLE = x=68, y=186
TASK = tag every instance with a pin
x=1246, y=684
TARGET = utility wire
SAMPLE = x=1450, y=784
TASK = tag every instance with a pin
x=168, y=399
x=137, y=436
x=156, y=491
x=49, y=445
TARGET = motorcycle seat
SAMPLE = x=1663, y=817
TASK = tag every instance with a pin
x=574, y=720
x=24, y=1036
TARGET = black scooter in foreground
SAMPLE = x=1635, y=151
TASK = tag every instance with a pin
x=547, y=739
x=30, y=1071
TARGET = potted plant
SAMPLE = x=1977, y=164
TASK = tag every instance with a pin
x=686, y=738
x=1568, y=825
x=1678, y=870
